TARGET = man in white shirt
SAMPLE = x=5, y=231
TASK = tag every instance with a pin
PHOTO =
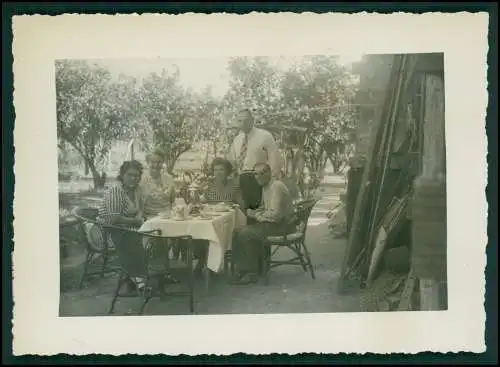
x=250, y=147
x=272, y=218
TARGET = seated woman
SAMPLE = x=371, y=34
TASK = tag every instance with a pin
x=123, y=206
x=157, y=186
x=219, y=188
x=158, y=190
x=222, y=188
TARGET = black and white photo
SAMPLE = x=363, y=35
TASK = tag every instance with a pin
x=265, y=182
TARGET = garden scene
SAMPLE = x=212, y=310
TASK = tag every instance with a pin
x=105, y=117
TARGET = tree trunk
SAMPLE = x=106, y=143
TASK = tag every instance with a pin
x=170, y=163
x=336, y=161
x=171, y=160
x=96, y=176
x=86, y=167
x=291, y=163
x=325, y=160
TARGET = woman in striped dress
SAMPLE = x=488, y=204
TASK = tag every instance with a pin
x=123, y=206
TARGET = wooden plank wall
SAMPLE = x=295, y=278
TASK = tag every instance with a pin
x=434, y=156
x=433, y=167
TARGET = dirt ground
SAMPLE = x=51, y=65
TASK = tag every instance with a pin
x=290, y=290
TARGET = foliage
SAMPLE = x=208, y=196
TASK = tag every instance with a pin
x=307, y=106
x=93, y=111
x=210, y=133
x=256, y=84
x=168, y=110
x=317, y=92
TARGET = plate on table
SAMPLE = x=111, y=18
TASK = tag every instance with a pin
x=221, y=208
x=164, y=215
x=181, y=218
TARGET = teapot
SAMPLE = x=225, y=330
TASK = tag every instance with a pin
x=194, y=193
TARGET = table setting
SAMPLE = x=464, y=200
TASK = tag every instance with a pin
x=203, y=221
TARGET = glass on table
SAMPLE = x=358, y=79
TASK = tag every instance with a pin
x=165, y=214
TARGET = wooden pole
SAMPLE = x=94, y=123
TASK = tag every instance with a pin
x=407, y=72
x=355, y=244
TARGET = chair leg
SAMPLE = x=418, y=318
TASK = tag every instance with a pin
x=226, y=265
x=184, y=255
x=143, y=306
x=265, y=265
x=206, y=275
x=231, y=266
x=301, y=257
x=175, y=251
x=147, y=294
x=191, y=299
x=104, y=264
x=88, y=257
x=117, y=291
x=308, y=259
x=190, y=278
x=161, y=288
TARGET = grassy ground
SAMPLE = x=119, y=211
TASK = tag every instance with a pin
x=290, y=289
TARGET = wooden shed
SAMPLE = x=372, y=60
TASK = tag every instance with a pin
x=397, y=211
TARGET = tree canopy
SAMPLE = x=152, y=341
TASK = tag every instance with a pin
x=93, y=111
x=307, y=106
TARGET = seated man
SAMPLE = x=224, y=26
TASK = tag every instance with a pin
x=272, y=218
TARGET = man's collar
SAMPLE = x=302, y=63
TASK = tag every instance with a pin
x=269, y=184
x=250, y=132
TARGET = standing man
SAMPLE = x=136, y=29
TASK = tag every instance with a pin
x=250, y=147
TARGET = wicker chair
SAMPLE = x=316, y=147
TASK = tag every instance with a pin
x=294, y=241
x=99, y=252
x=145, y=255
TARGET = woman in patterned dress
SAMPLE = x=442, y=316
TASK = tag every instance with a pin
x=158, y=190
x=157, y=186
x=221, y=187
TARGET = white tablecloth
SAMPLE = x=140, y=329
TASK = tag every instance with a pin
x=218, y=231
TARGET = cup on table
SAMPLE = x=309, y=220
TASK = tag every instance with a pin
x=180, y=212
x=165, y=214
x=205, y=212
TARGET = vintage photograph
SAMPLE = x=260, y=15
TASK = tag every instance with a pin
x=252, y=185
x=267, y=183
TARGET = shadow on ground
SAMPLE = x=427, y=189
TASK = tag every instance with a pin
x=290, y=290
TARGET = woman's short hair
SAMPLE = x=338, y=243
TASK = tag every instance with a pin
x=157, y=152
x=218, y=161
x=127, y=165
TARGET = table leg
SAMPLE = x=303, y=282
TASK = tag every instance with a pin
x=207, y=274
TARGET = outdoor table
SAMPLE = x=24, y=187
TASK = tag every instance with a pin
x=217, y=231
